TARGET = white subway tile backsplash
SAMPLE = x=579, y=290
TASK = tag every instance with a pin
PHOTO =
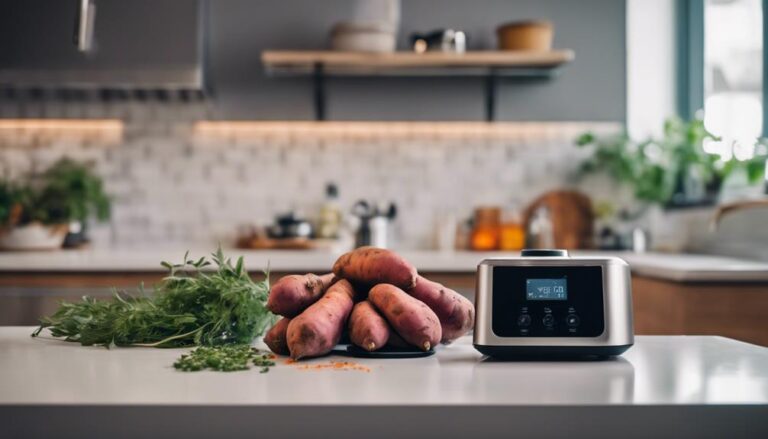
x=176, y=182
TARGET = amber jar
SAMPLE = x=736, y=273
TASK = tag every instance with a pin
x=512, y=232
x=485, y=233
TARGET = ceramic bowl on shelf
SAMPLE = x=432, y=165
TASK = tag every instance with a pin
x=34, y=236
x=526, y=35
x=363, y=37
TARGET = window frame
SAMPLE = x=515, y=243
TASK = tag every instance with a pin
x=690, y=55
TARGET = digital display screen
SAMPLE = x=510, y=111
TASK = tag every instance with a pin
x=546, y=289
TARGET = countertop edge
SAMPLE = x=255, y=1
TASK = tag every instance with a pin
x=349, y=421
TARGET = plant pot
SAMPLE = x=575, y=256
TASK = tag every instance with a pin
x=692, y=192
x=77, y=235
x=34, y=236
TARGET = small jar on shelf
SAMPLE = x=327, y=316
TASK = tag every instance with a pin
x=487, y=225
x=512, y=231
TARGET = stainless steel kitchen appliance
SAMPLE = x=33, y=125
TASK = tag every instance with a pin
x=375, y=221
x=546, y=303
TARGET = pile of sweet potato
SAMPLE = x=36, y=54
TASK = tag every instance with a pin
x=374, y=294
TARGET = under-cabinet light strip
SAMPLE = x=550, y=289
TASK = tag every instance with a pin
x=62, y=124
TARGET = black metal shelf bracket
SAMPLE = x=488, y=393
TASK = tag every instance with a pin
x=491, y=78
x=491, y=86
x=318, y=80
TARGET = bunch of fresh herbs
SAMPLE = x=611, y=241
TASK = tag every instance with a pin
x=190, y=307
x=225, y=359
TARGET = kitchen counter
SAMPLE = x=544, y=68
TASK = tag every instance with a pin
x=675, y=267
x=663, y=386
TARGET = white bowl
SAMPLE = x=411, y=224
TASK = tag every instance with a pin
x=33, y=236
x=363, y=37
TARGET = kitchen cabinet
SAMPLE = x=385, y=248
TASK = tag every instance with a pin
x=730, y=309
x=146, y=44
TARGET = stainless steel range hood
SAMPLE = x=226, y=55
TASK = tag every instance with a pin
x=102, y=44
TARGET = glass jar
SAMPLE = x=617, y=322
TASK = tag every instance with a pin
x=486, y=232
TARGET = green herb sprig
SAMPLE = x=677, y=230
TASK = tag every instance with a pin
x=224, y=359
x=190, y=307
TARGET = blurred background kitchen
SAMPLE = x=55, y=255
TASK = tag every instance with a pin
x=449, y=130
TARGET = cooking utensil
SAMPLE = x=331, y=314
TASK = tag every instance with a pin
x=290, y=226
x=441, y=40
x=375, y=222
x=548, y=304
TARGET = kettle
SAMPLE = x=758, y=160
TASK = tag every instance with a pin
x=375, y=221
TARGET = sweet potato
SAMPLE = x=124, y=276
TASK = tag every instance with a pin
x=370, y=266
x=456, y=313
x=318, y=329
x=275, y=337
x=410, y=317
x=292, y=294
x=367, y=328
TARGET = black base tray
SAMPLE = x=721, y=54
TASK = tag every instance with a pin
x=552, y=352
x=351, y=350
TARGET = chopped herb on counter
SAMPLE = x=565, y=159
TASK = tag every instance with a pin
x=191, y=307
x=224, y=359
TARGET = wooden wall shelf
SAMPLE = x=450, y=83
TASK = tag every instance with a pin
x=400, y=62
x=490, y=65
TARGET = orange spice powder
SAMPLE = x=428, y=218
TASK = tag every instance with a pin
x=333, y=365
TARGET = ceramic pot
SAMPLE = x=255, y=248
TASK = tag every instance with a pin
x=34, y=236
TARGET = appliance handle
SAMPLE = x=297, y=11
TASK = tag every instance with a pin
x=84, y=28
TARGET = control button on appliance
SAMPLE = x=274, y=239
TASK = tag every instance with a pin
x=523, y=320
x=548, y=320
x=572, y=320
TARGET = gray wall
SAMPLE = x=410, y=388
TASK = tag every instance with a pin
x=592, y=88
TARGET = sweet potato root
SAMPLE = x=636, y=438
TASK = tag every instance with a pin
x=370, y=266
x=316, y=331
x=275, y=338
x=292, y=294
x=410, y=317
x=456, y=313
x=367, y=328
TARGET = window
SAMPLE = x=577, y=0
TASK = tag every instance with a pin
x=733, y=75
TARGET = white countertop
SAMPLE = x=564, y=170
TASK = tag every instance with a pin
x=661, y=383
x=676, y=267
x=662, y=370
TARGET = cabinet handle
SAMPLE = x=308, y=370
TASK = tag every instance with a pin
x=84, y=30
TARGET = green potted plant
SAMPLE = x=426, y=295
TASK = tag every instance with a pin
x=673, y=171
x=74, y=193
x=37, y=211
